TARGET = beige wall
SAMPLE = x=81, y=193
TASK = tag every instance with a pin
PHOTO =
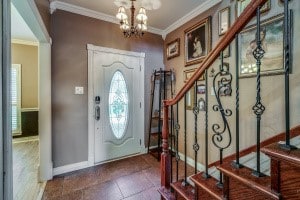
x=70, y=34
x=27, y=56
x=272, y=90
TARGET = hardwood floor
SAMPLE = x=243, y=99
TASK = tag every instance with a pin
x=25, y=169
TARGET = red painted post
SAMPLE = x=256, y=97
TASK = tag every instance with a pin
x=165, y=156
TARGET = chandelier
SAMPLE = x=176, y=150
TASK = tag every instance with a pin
x=131, y=29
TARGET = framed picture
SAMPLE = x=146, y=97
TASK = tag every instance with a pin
x=173, y=49
x=225, y=87
x=201, y=89
x=197, y=42
x=190, y=99
x=224, y=20
x=272, y=43
x=226, y=52
x=201, y=104
x=242, y=4
x=187, y=74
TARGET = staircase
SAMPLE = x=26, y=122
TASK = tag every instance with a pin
x=270, y=169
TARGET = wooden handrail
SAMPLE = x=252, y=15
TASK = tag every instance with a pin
x=238, y=25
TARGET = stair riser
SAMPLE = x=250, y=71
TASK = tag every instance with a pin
x=290, y=181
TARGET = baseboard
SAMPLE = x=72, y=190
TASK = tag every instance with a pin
x=190, y=161
x=70, y=168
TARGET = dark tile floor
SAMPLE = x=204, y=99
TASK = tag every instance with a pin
x=134, y=178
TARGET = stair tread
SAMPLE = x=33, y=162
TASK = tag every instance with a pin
x=187, y=192
x=249, y=161
x=208, y=184
x=166, y=193
x=274, y=150
x=244, y=175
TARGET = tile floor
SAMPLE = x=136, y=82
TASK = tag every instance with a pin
x=134, y=178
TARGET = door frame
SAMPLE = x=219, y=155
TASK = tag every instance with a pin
x=30, y=13
x=6, y=173
x=91, y=134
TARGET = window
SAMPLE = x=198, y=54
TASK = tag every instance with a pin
x=16, y=98
x=118, y=104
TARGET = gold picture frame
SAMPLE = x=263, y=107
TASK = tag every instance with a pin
x=271, y=42
x=190, y=98
x=173, y=49
x=197, y=41
x=224, y=20
x=187, y=74
x=242, y=4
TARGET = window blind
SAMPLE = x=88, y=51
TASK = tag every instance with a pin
x=16, y=98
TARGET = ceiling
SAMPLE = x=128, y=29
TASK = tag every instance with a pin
x=19, y=28
x=169, y=12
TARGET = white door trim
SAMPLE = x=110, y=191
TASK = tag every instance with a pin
x=29, y=11
x=91, y=137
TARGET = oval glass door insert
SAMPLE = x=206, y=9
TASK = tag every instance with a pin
x=118, y=105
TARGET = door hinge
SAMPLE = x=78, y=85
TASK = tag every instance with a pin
x=140, y=142
x=140, y=104
x=140, y=67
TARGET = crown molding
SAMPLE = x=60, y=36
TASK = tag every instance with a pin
x=194, y=13
x=91, y=13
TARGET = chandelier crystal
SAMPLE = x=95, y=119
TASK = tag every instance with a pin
x=130, y=29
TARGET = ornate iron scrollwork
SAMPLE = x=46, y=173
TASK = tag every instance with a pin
x=224, y=79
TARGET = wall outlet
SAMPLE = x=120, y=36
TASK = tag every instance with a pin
x=79, y=90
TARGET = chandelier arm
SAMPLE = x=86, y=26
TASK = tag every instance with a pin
x=132, y=14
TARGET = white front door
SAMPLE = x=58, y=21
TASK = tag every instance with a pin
x=116, y=103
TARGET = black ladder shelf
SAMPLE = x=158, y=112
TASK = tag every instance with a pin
x=160, y=80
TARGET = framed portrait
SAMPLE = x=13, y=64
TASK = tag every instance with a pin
x=271, y=42
x=224, y=20
x=201, y=89
x=190, y=99
x=225, y=87
x=242, y=4
x=173, y=49
x=197, y=42
x=201, y=104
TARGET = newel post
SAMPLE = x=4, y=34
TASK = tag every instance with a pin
x=165, y=156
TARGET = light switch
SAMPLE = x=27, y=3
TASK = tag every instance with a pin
x=79, y=90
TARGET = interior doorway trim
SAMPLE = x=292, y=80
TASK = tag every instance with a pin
x=91, y=137
x=30, y=13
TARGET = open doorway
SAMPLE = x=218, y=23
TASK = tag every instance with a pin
x=25, y=110
x=30, y=87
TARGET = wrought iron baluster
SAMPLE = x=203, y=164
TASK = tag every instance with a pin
x=224, y=78
x=177, y=127
x=185, y=145
x=237, y=164
x=258, y=108
x=196, y=112
x=205, y=174
x=287, y=64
